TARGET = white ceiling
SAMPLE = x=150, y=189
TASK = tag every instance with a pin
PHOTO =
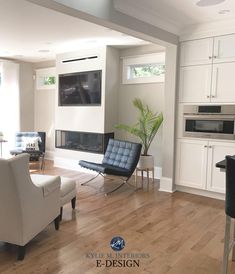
x=27, y=28
x=175, y=15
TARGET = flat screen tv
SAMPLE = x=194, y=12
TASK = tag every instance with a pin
x=80, y=88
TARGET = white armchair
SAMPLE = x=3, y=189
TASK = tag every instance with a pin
x=25, y=209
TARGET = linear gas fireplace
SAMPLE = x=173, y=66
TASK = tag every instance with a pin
x=82, y=141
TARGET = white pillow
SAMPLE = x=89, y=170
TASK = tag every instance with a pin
x=30, y=143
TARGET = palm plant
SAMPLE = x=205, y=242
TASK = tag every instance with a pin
x=147, y=126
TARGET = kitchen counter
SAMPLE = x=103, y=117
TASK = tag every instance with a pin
x=221, y=164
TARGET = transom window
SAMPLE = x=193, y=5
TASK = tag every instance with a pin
x=45, y=78
x=49, y=80
x=144, y=69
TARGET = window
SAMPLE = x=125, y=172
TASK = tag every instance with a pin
x=45, y=78
x=147, y=68
x=49, y=80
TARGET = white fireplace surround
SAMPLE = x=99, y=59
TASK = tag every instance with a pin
x=99, y=119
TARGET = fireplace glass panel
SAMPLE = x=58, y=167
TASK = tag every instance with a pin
x=82, y=141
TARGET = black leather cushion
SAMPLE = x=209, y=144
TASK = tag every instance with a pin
x=230, y=186
x=120, y=159
x=105, y=169
x=122, y=154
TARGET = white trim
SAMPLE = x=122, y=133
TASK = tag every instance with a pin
x=166, y=185
x=201, y=192
x=152, y=58
x=45, y=72
x=157, y=173
x=49, y=155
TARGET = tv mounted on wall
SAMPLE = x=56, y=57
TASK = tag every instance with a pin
x=80, y=88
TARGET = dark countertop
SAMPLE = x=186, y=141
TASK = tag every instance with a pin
x=221, y=164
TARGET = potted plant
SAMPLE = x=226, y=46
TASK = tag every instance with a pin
x=145, y=129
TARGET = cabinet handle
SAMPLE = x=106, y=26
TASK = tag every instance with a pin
x=208, y=96
x=205, y=146
x=210, y=146
x=210, y=57
x=215, y=56
x=213, y=96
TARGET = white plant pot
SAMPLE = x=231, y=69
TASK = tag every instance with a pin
x=146, y=162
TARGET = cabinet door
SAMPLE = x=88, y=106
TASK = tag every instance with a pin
x=224, y=48
x=223, y=83
x=217, y=152
x=195, y=84
x=191, y=163
x=196, y=52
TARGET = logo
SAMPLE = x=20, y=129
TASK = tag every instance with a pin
x=117, y=243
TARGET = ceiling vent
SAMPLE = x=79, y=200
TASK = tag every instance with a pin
x=80, y=59
x=207, y=3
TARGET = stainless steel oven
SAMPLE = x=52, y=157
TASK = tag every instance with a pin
x=217, y=122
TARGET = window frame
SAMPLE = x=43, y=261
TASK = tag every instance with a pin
x=130, y=61
x=41, y=74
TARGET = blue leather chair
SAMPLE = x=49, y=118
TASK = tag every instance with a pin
x=120, y=159
x=34, y=154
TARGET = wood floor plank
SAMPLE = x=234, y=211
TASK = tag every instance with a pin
x=181, y=233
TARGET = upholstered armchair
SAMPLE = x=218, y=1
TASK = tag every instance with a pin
x=25, y=208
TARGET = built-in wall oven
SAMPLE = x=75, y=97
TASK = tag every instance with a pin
x=217, y=122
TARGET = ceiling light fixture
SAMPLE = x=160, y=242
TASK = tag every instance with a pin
x=44, y=50
x=224, y=11
x=207, y=3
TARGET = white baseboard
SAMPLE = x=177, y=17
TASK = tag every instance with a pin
x=166, y=185
x=72, y=164
x=157, y=173
x=49, y=155
x=201, y=192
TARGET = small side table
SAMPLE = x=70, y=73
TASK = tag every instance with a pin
x=147, y=170
x=2, y=141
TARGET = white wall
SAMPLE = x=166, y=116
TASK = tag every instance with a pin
x=151, y=94
x=81, y=118
x=111, y=89
x=44, y=111
x=26, y=96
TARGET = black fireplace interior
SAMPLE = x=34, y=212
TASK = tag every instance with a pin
x=82, y=141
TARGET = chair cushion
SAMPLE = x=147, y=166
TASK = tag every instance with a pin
x=48, y=183
x=122, y=154
x=67, y=185
x=105, y=169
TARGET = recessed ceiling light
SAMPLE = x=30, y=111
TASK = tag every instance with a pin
x=44, y=50
x=91, y=41
x=206, y=3
x=18, y=56
x=224, y=11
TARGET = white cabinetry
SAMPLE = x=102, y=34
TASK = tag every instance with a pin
x=223, y=83
x=196, y=161
x=191, y=163
x=195, y=84
x=207, y=70
x=196, y=52
x=224, y=49
x=217, y=152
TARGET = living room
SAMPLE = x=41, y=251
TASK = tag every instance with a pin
x=171, y=224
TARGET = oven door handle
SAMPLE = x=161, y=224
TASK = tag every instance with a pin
x=210, y=117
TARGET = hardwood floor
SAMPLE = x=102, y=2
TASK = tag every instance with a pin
x=173, y=233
